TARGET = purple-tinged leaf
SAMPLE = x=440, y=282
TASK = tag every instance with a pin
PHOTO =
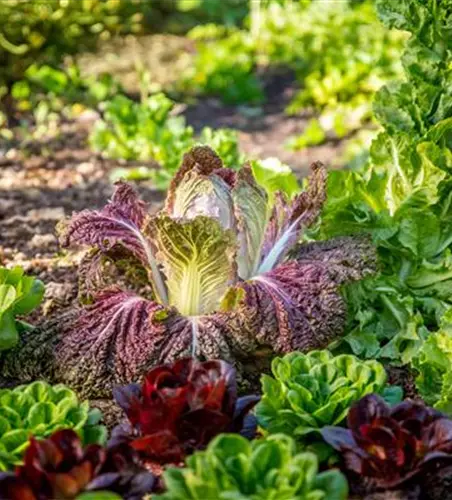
x=201, y=157
x=338, y=437
x=127, y=396
x=388, y=447
x=120, y=222
x=296, y=306
x=251, y=211
x=111, y=339
x=181, y=407
x=371, y=407
x=290, y=218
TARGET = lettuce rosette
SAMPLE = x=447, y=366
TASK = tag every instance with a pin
x=218, y=273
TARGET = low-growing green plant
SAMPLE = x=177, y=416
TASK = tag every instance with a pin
x=343, y=57
x=224, y=65
x=19, y=295
x=339, y=52
x=39, y=409
x=148, y=131
x=264, y=469
x=309, y=391
x=46, y=96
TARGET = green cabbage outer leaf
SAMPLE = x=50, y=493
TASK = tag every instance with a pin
x=309, y=391
x=39, y=409
x=251, y=210
x=198, y=259
x=263, y=469
x=434, y=366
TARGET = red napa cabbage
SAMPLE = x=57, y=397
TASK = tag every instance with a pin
x=228, y=278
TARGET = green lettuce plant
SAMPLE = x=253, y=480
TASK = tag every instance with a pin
x=39, y=409
x=264, y=469
x=309, y=391
x=402, y=196
x=19, y=295
x=434, y=367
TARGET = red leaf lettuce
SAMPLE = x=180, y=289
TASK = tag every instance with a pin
x=59, y=467
x=179, y=408
x=387, y=447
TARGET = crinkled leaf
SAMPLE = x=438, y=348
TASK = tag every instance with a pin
x=111, y=338
x=289, y=219
x=198, y=194
x=198, y=258
x=119, y=222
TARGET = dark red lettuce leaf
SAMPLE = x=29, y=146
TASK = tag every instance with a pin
x=180, y=408
x=387, y=447
x=59, y=467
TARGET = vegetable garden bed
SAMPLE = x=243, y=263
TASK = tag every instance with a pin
x=244, y=335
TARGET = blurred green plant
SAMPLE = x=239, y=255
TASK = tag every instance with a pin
x=149, y=132
x=273, y=176
x=46, y=96
x=34, y=31
x=339, y=52
x=224, y=65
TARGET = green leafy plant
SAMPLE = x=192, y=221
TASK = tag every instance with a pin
x=39, y=409
x=46, y=96
x=434, y=367
x=148, y=131
x=46, y=32
x=340, y=54
x=402, y=197
x=224, y=65
x=19, y=295
x=309, y=391
x=271, y=468
x=273, y=176
x=343, y=57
